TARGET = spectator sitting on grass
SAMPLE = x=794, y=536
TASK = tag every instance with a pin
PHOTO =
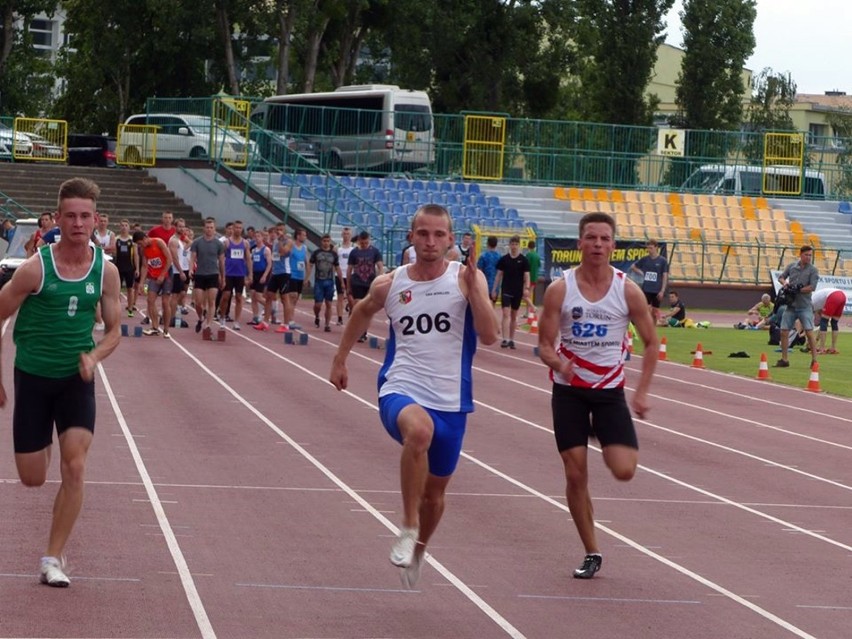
x=677, y=314
x=758, y=315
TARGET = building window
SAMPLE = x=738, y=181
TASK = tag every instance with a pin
x=42, y=33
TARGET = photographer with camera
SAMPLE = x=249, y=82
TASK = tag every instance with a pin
x=798, y=281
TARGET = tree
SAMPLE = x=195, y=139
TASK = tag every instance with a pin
x=26, y=77
x=718, y=39
x=124, y=52
x=773, y=96
x=621, y=40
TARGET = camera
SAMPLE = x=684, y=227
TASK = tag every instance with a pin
x=787, y=294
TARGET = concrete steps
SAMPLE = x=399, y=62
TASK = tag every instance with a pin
x=125, y=193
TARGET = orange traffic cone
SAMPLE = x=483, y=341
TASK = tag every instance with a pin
x=763, y=369
x=698, y=358
x=533, y=323
x=813, y=382
x=662, y=356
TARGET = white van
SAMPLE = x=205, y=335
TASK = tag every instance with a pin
x=179, y=135
x=376, y=128
x=741, y=179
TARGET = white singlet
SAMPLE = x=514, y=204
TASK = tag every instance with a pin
x=432, y=342
x=594, y=335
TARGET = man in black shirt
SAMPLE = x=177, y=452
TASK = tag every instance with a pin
x=513, y=274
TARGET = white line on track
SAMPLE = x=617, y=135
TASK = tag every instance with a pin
x=188, y=584
x=492, y=614
x=557, y=504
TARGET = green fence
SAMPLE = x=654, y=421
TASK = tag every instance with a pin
x=546, y=152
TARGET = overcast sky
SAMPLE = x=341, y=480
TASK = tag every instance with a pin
x=812, y=39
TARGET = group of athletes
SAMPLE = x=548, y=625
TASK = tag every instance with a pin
x=439, y=309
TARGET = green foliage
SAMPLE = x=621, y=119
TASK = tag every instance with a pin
x=841, y=124
x=621, y=41
x=125, y=51
x=718, y=39
x=773, y=97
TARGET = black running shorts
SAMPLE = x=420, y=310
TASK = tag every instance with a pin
x=42, y=401
x=580, y=413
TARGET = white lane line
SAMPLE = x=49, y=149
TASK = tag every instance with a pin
x=613, y=599
x=480, y=603
x=653, y=555
x=186, y=580
x=609, y=531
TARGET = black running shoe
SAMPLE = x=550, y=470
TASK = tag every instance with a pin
x=198, y=326
x=316, y=321
x=147, y=320
x=782, y=363
x=504, y=344
x=511, y=345
x=591, y=564
x=363, y=338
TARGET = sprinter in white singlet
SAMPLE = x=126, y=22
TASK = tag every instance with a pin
x=586, y=314
x=437, y=308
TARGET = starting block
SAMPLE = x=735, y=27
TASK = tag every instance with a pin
x=207, y=335
x=377, y=342
x=296, y=337
x=125, y=331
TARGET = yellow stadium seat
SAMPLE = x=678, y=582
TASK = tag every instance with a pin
x=574, y=193
x=631, y=196
x=587, y=194
x=617, y=196
x=560, y=193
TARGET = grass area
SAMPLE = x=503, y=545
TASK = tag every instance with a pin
x=835, y=371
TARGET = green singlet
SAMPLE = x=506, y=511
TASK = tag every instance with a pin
x=55, y=323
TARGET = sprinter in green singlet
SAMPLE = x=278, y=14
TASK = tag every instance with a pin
x=55, y=293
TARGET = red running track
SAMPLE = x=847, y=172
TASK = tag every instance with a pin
x=233, y=493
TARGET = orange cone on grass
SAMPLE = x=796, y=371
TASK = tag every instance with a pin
x=763, y=369
x=698, y=358
x=662, y=356
x=813, y=382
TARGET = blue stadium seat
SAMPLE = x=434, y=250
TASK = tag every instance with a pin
x=473, y=187
x=317, y=180
x=360, y=183
x=492, y=200
x=403, y=185
x=389, y=184
x=417, y=185
x=303, y=180
x=411, y=207
x=845, y=207
x=460, y=187
x=411, y=196
x=380, y=195
x=289, y=180
x=393, y=195
x=398, y=208
x=513, y=214
x=345, y=180
x=497, y=212
x=532, y=225
x=431, y=185
x=446, y=187
x=375, y=183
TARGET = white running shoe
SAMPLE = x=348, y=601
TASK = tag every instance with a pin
x=402, y=552
x=52, y=572
x=411, y=575
x=236, y=326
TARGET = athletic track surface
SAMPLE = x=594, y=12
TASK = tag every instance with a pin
x=232, y=492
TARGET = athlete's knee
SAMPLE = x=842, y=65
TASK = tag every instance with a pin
x=418, y=436
x=623, y=473
x=32, y=478
x=73, y=470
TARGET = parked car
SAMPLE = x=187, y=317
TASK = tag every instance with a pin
x=180, y=136
x=11, y=141
x=284, y=152
x=88, y=149
x=16, y=251
x=44, y=148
